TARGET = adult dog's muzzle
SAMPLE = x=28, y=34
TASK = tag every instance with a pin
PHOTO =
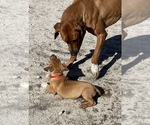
x=73, y=53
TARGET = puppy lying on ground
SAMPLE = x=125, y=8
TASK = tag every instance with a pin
x=66, y=88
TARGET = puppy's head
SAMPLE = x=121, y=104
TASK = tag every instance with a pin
x=55, y=65
x=72, y=33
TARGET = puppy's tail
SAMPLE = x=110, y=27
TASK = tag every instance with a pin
x=98, y=91
x=101, y=93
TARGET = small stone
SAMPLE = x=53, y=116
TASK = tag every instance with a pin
x=25, y=85
x=68, y=112
x=17, y=77
x=61, y=112
x=39, y=77
x=26, y=69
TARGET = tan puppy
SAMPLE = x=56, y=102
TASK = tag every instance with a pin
x=66, y=88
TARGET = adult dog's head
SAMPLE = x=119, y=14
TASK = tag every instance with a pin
x=72, y=33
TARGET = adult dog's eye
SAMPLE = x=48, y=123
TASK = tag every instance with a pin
x=75, y=40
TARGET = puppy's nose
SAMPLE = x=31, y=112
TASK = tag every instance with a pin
x=53, y=56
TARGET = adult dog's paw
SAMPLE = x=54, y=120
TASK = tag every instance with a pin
x=95, y=70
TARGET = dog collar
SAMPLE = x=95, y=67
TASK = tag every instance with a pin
x=56, y=76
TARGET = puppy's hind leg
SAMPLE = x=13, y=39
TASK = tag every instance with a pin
x=88, y=97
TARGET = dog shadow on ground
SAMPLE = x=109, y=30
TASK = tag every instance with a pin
x=112, y=47
x=138, y=47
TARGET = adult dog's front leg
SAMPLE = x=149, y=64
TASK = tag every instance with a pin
x=100, y=41
x=70, y=61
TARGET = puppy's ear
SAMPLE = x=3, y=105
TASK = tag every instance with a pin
x=49, y=68
x=57, y=29
x=46, y=69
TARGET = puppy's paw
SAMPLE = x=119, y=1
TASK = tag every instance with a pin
x=87, y=104
x=43, y=85
x=95, y=70
x=83, y=106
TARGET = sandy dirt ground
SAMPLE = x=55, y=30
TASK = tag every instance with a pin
x=135, y=83
x=27, y=41
x=14, y=66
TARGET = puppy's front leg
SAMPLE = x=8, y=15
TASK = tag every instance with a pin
x=51, y=89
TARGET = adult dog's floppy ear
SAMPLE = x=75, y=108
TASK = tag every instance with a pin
x=57, y=29
x=83, y=25
x=77, y=26
x=80, y=27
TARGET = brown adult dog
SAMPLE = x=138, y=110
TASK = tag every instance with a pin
x=91, y=15
x=66, y=88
